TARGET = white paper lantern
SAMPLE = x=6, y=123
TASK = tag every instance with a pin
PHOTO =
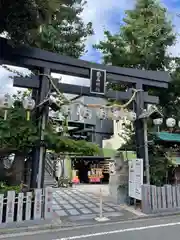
x=115, y=114
x=102, y=113
x=59, y=129
x=6, y=101
x=179, y=124
x=157, y=121
x=28, y=103
x=131, y=116
x=170, y=122
x=85, y=113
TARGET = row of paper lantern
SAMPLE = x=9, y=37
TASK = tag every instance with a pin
x=102, y=113
x=170, y=122
x=6, y=102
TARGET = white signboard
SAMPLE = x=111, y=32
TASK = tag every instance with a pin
x=135, y=178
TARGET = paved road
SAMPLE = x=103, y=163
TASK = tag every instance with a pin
x=165, y=228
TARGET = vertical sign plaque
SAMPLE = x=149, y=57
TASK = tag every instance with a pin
x=20, y=207
x=10, y=206
x=98, y=81
x=28, y=205
x=37, y=203
x=48, y=202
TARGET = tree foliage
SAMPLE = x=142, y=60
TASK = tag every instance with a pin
x=19, y=135
x=142, y=40
x=54, y=25
x=63, y=144
x=66, y=34
x=19, y=18
x=169, y=98
x=142, y=43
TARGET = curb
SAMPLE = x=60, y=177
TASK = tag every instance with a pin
x=16, y=229
x=62, y=226
x=157, y=215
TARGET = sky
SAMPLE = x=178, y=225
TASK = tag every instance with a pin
x=104, y=14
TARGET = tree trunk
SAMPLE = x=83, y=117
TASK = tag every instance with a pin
x=17, y=170
x=2, y=171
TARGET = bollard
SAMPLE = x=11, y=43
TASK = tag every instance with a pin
x=101, y=218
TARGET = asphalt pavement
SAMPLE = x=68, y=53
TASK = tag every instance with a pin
x=155, y=228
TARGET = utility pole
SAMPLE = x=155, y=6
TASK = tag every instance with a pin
x=146, y=155
x=152, y=113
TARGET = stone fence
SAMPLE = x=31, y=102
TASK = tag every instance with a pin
x=160, y=199
x=20, y=207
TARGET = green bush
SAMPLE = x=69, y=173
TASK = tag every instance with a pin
x=4, y=188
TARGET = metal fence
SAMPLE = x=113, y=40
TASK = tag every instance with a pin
x=26, y=206
x=160, y=199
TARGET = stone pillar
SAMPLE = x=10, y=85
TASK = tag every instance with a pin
x=118, y=182
x=164, y=202
x=178, y=195
x=154, y=198
x=146, y=199
x=168, y=189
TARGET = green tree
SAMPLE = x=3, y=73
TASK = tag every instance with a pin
x=142, y=43
x=18, y=136
x=53, y=25
x=67, y=33
x=142, y=40
x=169, y=98
x=19, y=19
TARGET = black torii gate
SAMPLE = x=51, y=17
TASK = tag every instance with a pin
x=47, y=62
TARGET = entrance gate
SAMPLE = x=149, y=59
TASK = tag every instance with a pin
x=46, y=62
